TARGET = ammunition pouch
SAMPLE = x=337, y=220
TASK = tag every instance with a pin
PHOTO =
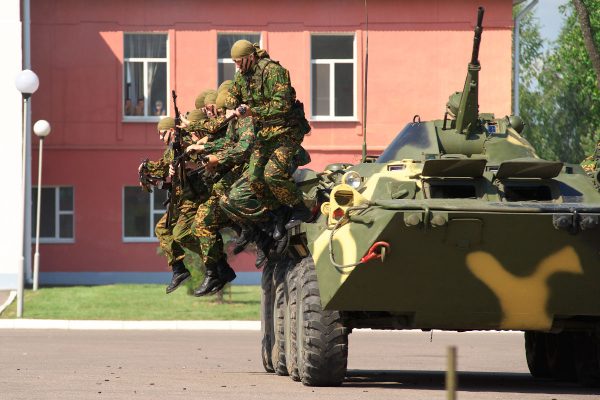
x=295, y=118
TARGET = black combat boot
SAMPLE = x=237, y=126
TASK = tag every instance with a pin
x=211, y=281
x=279, y=247
x=180, y=275
x=245, y=236
x=281, y=216
x=263, y=246
x=300, y=213
x=226, y=275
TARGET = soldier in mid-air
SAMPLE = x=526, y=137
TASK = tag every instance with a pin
x=262, y=87
x=174, y=229
x=225, y=159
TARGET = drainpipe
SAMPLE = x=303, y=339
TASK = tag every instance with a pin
x=517, y=54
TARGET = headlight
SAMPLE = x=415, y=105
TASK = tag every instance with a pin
x=352, y=179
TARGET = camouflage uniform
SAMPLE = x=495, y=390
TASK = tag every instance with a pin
x=242, y=205
x=281, y=125
x=179, y=233
x=232, y=152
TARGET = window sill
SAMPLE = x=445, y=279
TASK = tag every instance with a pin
x=54, y=241
x=140, y=240
x=333, y=119
x=151, y=119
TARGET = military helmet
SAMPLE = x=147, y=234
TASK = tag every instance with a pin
x=242, y=48
x=221, y=100
x=516, y=123
x=165, y=124
x=210, y=98
x=199, y=102
x=225, y=85
x=196, y=115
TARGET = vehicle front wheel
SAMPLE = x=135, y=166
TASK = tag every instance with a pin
x=266, y=322
x=291, y=326
x=322, y=339
x=279, y=319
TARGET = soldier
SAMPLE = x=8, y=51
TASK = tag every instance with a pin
x=263, y=88
x=226, y=159
x=174, y=229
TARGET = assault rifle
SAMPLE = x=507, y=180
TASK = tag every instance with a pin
x=178, y=162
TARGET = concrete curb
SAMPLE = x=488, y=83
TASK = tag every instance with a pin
x=128, y=325
x=182, y=325
x=11, y=298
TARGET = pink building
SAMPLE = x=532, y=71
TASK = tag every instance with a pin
x=93, y=56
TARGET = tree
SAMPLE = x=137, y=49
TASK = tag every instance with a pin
x=587, y=30
x=560, y=93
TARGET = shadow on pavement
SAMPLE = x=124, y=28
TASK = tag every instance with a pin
x=467, y=382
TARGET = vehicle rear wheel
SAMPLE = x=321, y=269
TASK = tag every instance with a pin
x=266, y=323
x=291, y=343
x=279, y=320
x=322, y=339
x=587, y=358
x=535, y=352
x=560, y=354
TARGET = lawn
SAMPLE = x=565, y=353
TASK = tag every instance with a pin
x=137, y=302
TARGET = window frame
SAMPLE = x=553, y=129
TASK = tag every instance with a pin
x=331, y=62
x=145, y=61
x=57, y=213
x=230, y=60
x=151, y=238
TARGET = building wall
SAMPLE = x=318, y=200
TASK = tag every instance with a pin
x=10, y=27
x=418, y=55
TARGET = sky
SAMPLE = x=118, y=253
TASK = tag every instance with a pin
x=550, y=18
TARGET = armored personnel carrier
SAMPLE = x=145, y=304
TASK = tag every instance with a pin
x=457, y=225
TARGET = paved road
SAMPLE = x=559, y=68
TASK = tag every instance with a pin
x=226, y=365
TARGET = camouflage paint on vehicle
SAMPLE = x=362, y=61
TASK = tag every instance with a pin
x=482, y=233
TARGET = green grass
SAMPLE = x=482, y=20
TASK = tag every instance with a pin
x=137, y=302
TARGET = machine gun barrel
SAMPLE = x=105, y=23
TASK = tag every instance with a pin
x=468, y=110
x=477, y=38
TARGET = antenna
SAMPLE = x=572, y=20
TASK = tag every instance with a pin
x=364, y=145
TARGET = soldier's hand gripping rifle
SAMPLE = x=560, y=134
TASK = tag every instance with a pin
x=241, y=110
x=202, y=168
x=178, y=162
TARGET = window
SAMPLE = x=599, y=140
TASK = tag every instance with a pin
x=56, y=214
x=141, y=212
x=145, y=77
x=226, y=66
x=333, y=63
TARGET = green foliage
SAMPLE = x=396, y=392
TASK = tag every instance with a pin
x=136, y=302
x=560, y=100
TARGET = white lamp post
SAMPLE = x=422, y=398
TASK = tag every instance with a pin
x=41, y=129
x=27, y=83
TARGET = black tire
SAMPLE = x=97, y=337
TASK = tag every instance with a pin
x=560, y=354
x=266, y=322
x=291, y=347
x=535, y=352
x=279, y=322
x=587, y=358
x=322, y=338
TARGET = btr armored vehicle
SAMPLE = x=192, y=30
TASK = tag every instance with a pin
x=457, y=225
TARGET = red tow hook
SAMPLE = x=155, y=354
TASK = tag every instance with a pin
x=383, y=247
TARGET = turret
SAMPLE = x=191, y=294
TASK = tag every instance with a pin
x=468, y=109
